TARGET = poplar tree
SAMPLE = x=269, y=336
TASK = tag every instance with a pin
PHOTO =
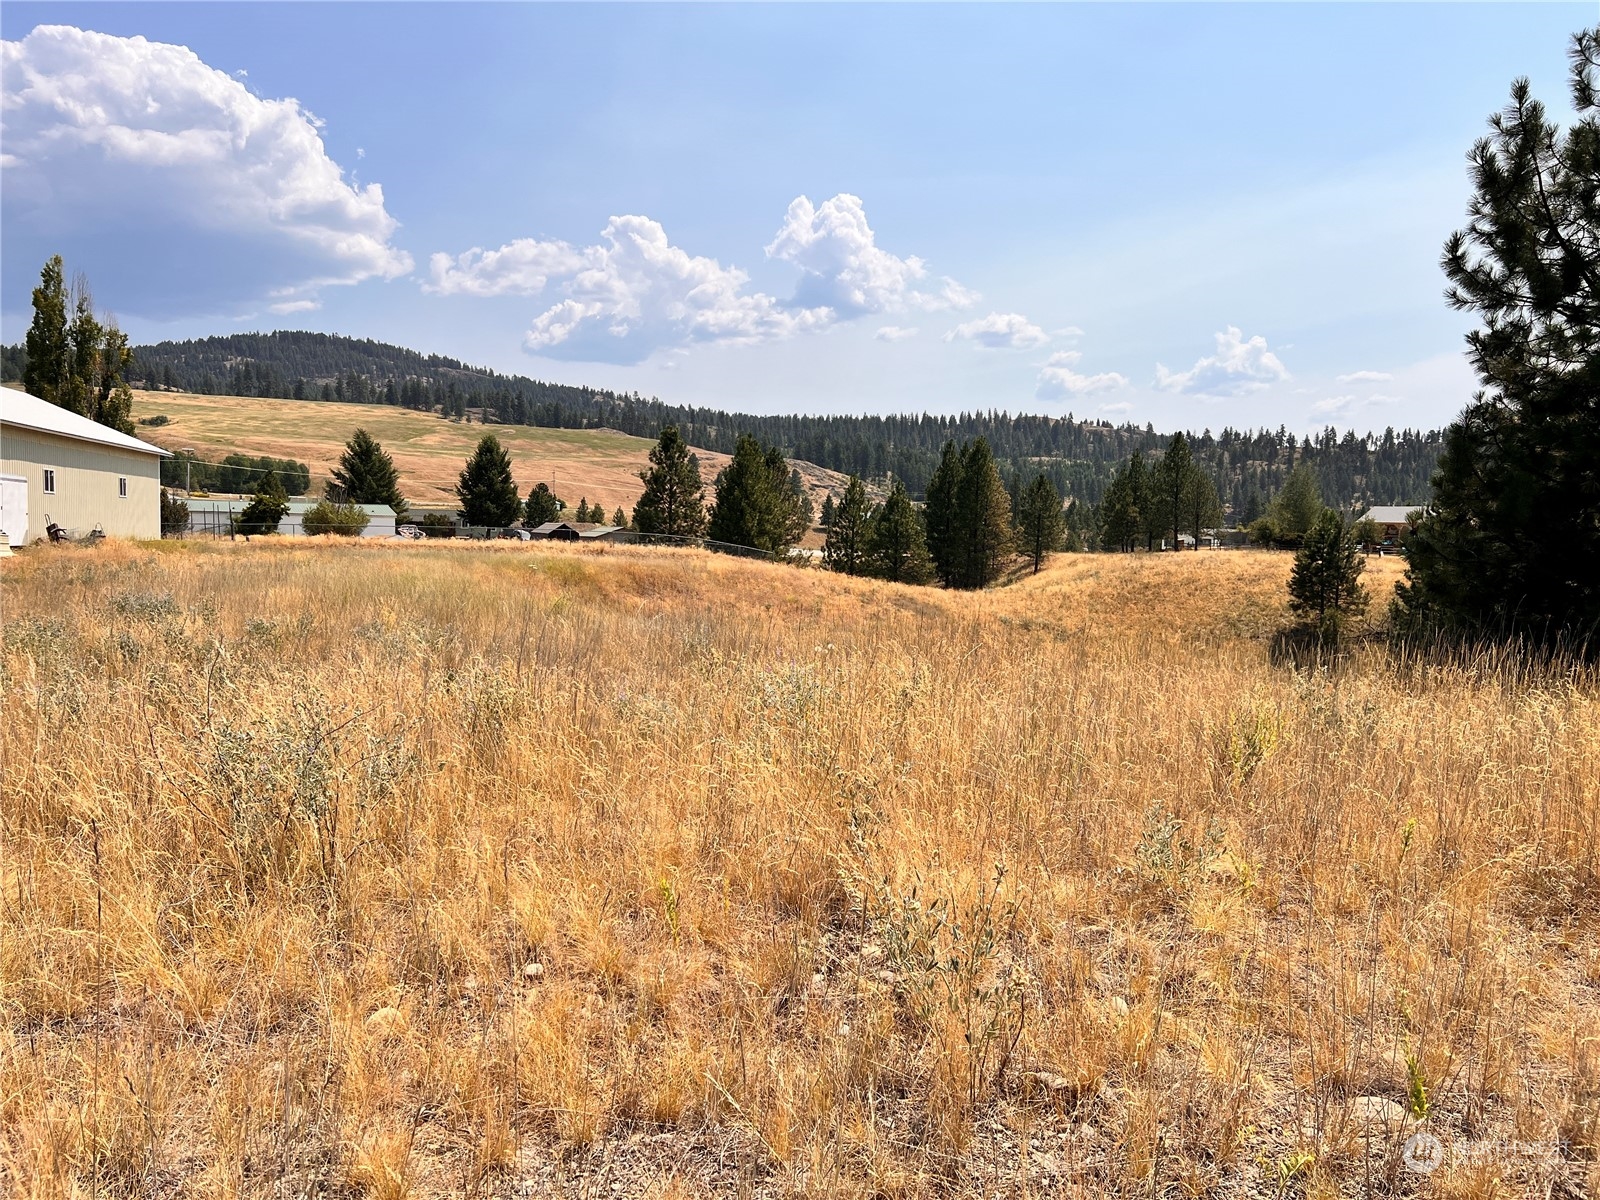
x=1041, y=525
x=77, y=362
x=897, y=547
x=674, y=494
x=1510, y=543
x=846, y=547
x=485, y=488
x=367, y=474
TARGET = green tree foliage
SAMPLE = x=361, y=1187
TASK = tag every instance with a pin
x=1325, y=586
x=801, y=512
x=1121, y=525
x=1293, y=511
x=827, y=511
x=76, y=362
x=1141, y=486
x=542, y=506
x=266, y=508
x=486, y=490
x=174, y=515
x=674, y=494
x=846, y=547
x=897, y=546
x=1167, y=486
x=1202, y=507
x=345, y=520
x=984, y=533
x=941, y=515
x=1041, y=525
x=367, y=474
x=619, y=518
x=758, y=503
x=1510, y=543
x=584, y=515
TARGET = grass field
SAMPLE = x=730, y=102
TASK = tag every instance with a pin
x=493, y=871
x=597, y=464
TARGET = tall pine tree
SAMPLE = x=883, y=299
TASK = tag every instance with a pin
x=1041, y=524
x=367, y=474
x=846, y=547
x=897, y=546
x=984, y=533
x=674, y=494
x=1510, y=543
x=944, y=545
x=486, y=490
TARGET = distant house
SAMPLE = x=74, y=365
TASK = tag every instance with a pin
x=577, y=531
x=57, y=467
x=1393, y=521
x=216, y=516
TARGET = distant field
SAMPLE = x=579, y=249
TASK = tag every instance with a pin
x=438, y=870
x=428, y=450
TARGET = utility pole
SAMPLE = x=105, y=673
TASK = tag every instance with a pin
x=188, y=461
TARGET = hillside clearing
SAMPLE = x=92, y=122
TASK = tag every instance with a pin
x=432, y=871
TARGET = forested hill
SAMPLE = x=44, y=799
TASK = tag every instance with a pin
x=1389, y=468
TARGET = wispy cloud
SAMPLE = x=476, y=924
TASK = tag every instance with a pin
x=1000, y=331
x=1059, y=379
x=1365, y=377
x=894, y=333
x=1238, y=366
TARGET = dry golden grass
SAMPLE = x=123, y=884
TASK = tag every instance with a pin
x=440, y=870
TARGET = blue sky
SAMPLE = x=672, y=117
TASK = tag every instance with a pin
x=1189, y=215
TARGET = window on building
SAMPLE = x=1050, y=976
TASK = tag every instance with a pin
x=49, y=481
x=122, y=486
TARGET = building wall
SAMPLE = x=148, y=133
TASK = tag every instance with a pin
x=86, y=491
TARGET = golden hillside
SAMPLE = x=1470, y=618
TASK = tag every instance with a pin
x=429, y=451
x=441, y=870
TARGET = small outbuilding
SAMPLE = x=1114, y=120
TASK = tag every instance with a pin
x=58, y=467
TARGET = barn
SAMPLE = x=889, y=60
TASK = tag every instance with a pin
x=62, y=468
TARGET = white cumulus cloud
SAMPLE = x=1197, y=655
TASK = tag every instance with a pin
x=1059, y=378
x=636, y=292
x=843, y=267
x=1366, y=377
x=894, y=333
x=141, y=141
x=1000, y=331
x=1237, y=367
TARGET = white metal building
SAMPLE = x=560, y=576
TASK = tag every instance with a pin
x=58, y=466
x=216, y=516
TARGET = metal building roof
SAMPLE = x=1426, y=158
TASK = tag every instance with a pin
x=30, y=412
x=1391, y=514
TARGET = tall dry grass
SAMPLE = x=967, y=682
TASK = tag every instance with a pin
x=436, y=871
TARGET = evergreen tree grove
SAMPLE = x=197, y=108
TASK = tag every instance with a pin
x=758, y=503
x=897, y=546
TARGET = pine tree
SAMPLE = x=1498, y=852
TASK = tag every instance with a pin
x=1510, y=542
x=542, y=506
x=619, y=518
x=1167, y=485
x=1297, y=507
x=486, y=490
x=984, y=532
x=827, y=511
x=897, y=547
x=367, y=474
x=756, y=502
x=584, y=514
x=941, y=515
x=1120, y=526
x=266, y=507
x=47, y=369
x=77, y=364
x=1041, y=525
x=1140, y=489
x=674, y=494
x=1325, y=585
x=845, y=549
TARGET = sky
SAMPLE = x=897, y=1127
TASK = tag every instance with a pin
x=1186, y=215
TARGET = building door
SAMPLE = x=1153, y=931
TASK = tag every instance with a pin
x=14, y=509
